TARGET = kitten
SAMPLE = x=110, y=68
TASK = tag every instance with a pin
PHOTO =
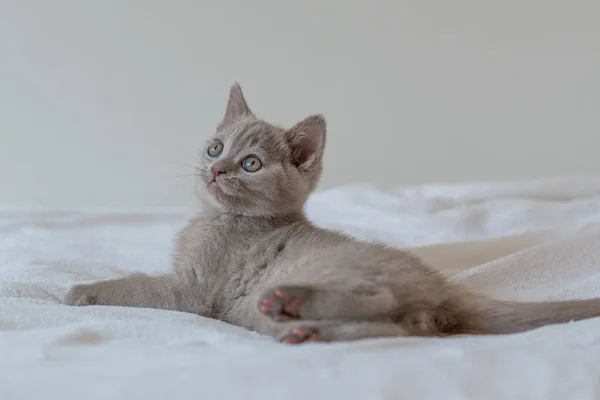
x=251, y=258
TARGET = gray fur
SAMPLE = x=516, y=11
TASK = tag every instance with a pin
x=252, y=259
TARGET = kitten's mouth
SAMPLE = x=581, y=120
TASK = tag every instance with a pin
x=213, y=183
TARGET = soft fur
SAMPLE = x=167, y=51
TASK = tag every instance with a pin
x=251, y=258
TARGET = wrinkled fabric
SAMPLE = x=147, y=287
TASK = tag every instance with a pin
x=536, y=240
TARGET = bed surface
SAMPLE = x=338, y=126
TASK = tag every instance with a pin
x=535, y=240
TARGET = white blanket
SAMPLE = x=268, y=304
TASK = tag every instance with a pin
x=531, y=240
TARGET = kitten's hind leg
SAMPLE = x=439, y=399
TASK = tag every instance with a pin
x=340, y=331
x=283, y=303
x=140, y=290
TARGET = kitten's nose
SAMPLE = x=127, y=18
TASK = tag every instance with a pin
x=216, y=171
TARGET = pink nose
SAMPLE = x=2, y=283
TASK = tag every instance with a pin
x=217, y=171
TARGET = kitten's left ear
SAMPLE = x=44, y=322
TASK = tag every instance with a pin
x=236, y=106
x=307, y=141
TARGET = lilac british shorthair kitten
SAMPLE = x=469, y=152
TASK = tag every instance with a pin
x=251, y=258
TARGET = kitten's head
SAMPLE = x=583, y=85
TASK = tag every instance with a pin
x=254, y=168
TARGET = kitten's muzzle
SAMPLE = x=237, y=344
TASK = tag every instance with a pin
x=216, y=171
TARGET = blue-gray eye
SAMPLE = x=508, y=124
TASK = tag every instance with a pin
x=251, y=164
x=215, y=149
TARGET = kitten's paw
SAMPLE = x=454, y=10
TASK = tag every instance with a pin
x=300, y=334
x=284, y=302
x=81, y=295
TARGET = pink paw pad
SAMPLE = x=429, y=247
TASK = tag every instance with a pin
x=281, y=304
x=301, y=334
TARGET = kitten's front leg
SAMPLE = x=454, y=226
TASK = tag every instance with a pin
x=140, y=290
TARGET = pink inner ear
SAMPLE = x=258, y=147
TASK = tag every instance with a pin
x=307, y=140
x=309, y=143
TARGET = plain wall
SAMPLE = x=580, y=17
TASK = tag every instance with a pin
x=98, y=99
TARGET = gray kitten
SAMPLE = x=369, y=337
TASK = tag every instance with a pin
x=251, y=258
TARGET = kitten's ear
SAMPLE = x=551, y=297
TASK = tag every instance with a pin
x=307, y=141
x=236, y=106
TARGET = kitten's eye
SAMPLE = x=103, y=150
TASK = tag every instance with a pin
x=251, y=164
x=215, y=149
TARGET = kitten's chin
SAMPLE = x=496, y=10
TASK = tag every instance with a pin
x=212, y=187
x=211, y=199
x=218, y=191
x=216, y=196
x=214, y=190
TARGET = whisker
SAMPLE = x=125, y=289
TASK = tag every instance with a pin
x=194, y=167
x=186, y=175
x=194, y=158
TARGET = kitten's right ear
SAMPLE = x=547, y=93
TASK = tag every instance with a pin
x=236, y=106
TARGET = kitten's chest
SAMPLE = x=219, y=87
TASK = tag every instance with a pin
x=217, y=255
x=220, y=256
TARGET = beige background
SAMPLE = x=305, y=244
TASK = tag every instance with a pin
x=98, y=98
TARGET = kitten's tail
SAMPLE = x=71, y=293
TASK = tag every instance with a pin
x=490, y=316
